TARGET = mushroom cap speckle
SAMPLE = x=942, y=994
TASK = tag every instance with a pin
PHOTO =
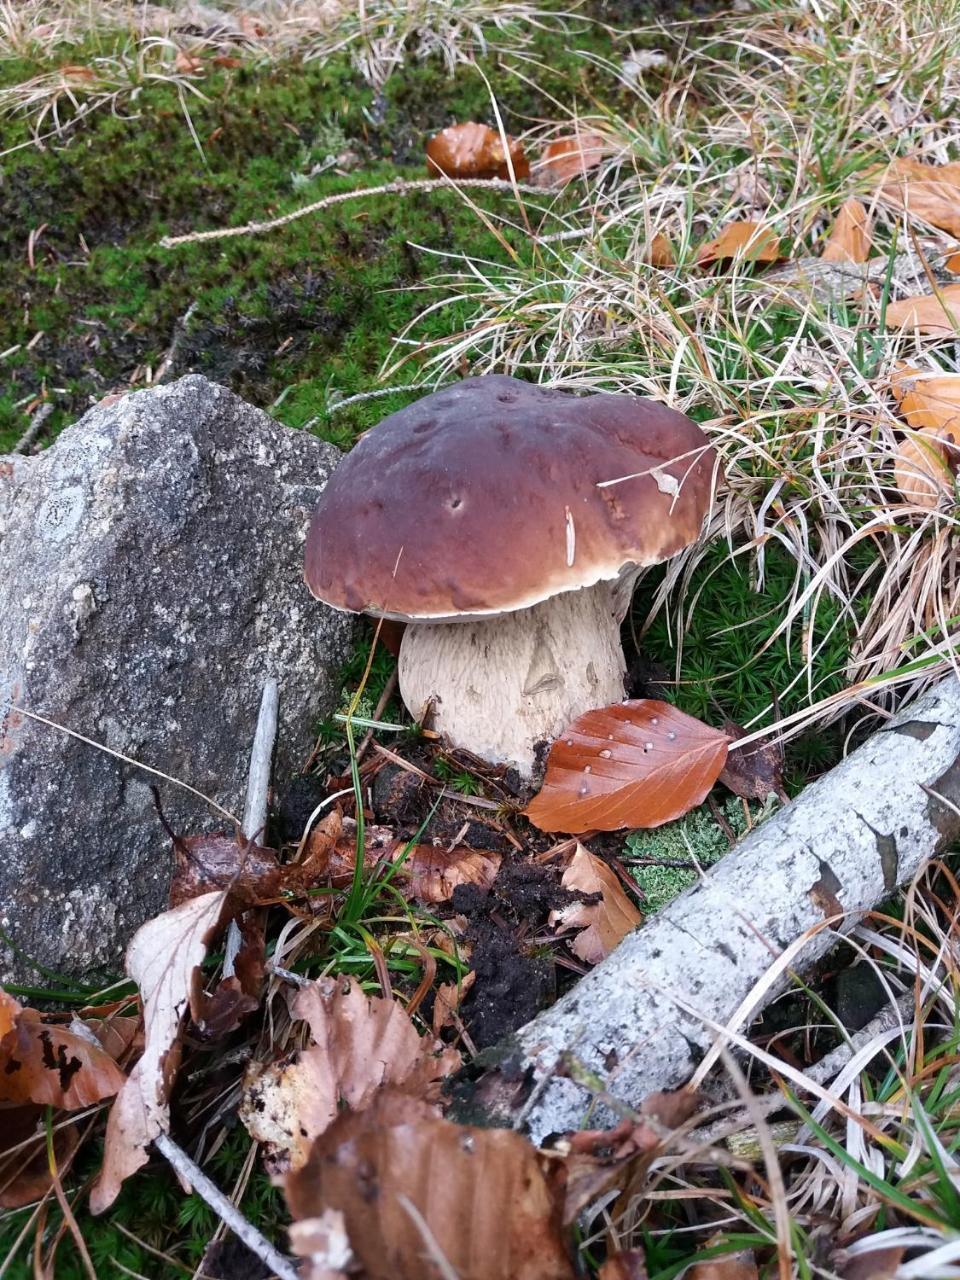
x=486, y=497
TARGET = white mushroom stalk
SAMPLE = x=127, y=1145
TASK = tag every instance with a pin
x=501, y=685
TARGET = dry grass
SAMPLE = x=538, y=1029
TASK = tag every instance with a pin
x=778, y=118
x=124, y=45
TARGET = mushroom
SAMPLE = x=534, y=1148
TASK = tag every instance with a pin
x=507, y=523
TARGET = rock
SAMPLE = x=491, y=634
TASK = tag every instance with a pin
x=150, y=569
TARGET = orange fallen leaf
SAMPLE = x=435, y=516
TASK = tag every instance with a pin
x=930, y=192
x=480, y=1197
x=188, y=63
x=659, y=252
x=952, y=263
x=930, y=313
x=603, y=924
x=632, y=764
x=434, y=872
x=55, y=1066
x=921, y=470
x=731, y=1266
x=447, y=1000
x=474, y=151
x=162, y=959
x=748, y=241
x=571, y=157
x=849, y=239
x=360, y=1045
x=929, y=401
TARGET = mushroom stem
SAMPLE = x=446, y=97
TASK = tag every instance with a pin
x=499, y=686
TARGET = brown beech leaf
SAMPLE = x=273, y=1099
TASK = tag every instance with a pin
x=434, y=872
x=161, y=959
x=630, y=1264
x=188, y=63
x=202, y=863
x=952, y=263
x=930, y=192
x=360, y=1045
x=921, y=470
x=930, y=313
x=603, y=924
x=571, y=157
x=877, y=1264
x=849, y=239
x=659, y=252
x=930, y=402
x=474, y=151
x=54, y=1065
x=478, y=1197
x=632, y=764
x=755, y=772
x=447, y=1000
x=732, y=1266
x=748, y=241
x=330, y=856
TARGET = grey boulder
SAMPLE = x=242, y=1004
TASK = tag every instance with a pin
x=151, y=579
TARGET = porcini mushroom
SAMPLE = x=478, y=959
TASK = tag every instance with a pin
x=506, y=523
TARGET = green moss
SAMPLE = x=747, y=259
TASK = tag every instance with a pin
x=697, y=840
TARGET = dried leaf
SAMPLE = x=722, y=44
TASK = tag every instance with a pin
x=877, y=1264
x=849, y=239
x=631, y=1264
x=952, y=263
x=921, y=470
x=447, y=1000
x=324, y=1245
x=478, y=1198
x=757, y=771
x=748, y=241
x=732, y=1266
x=930, y=192
x=604, y=924
x=24, y=1166
x=632, y=764
x=929, y=402
x=330, y=856
x=474, y=151
x=360, y=1044
x=571, y=157
x=51, y=1065
x=930, y=313
x=202, y=863
x=161, y=959
x=434, y=872
x=659, y=252
x=188, y=63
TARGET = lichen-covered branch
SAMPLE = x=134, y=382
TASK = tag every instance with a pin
x=641, y=1020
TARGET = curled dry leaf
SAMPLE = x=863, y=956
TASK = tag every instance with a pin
x=53, y=1065
x=476, y=1198
x=849, y=239
x=936, y=314
x=630, y=1264
x=732, y=1266
x=748, y=241
x=922, y=473
x=755, y=772
x=360, y=1045
x=571, y=157
x=447, y=1000
x=659, y=252
x=929, y=402
x=434, y=872
x=930, y=192
x=603, y=924
x=475, y=151
x=203, y=863
x=632, y=764
x=161, y=959
x=323, y=1243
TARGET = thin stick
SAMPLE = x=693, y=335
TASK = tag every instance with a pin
x=225, y=1209
x=261, y=759
x=29, y=437
x=400, y=187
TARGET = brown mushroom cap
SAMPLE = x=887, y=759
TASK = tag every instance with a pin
x=484, y=498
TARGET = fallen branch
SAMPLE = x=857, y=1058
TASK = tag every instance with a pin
x=225, y=1209
x=640, y=1021
x=400, y=187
